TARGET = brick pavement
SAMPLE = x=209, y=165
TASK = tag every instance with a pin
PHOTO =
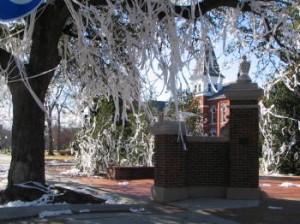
x=142, y=188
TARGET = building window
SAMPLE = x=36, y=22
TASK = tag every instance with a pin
x=213, y=114
x=199, y=88
x=216, y=87
x=209, y=88
x=213, y=133
x=195, y=88
x=223, y=113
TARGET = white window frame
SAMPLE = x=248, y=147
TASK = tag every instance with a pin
x=213, y=114
x=223, y=113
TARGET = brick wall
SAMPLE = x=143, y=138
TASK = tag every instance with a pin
x=130, y=172
x=202, y=164
x=207, y=163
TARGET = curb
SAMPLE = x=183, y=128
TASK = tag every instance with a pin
x=12, y=213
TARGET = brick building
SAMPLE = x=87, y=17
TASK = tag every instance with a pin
x=208, y=87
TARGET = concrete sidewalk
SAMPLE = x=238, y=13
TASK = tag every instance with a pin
x=190, y=211
x=132, y=210
x=128, y=218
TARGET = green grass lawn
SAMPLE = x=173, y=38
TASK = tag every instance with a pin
x=57, y=155
x=61, y=155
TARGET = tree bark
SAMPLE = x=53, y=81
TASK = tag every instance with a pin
x=28, y=143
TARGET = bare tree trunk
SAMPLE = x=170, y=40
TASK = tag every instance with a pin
x=58, y=135
x=58, y=140
x=28, y=143
x=50, y=134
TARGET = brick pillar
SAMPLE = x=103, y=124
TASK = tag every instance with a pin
x=243, y=137
x=169, y=161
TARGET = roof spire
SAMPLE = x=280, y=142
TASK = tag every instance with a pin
x=208, y=66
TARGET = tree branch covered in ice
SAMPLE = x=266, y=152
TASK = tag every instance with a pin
x=102, y=47
x=104, y=143
x=108, y=41
x=280, y=127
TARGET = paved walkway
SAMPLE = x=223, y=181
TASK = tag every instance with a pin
x=281, y=187
x=137, y=206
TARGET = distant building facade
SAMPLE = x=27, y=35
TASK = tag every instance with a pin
x=208, y=87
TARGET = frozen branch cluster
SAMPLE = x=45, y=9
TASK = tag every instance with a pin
x=107, y=43
x=102, y=144
x=5, y=104
x=156, y=36
x=280, y=126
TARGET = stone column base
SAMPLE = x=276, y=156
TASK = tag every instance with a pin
x=168, y=194
x=165, y=194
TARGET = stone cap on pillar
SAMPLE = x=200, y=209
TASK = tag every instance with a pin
x=243, y=88
x=243, y=91
x=169, y=128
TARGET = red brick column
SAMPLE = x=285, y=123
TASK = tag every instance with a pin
x=243, y=138
x=169, y=161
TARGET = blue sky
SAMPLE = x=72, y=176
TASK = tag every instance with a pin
x=228, y=66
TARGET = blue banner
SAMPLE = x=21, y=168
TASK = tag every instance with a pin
x=15, y=9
